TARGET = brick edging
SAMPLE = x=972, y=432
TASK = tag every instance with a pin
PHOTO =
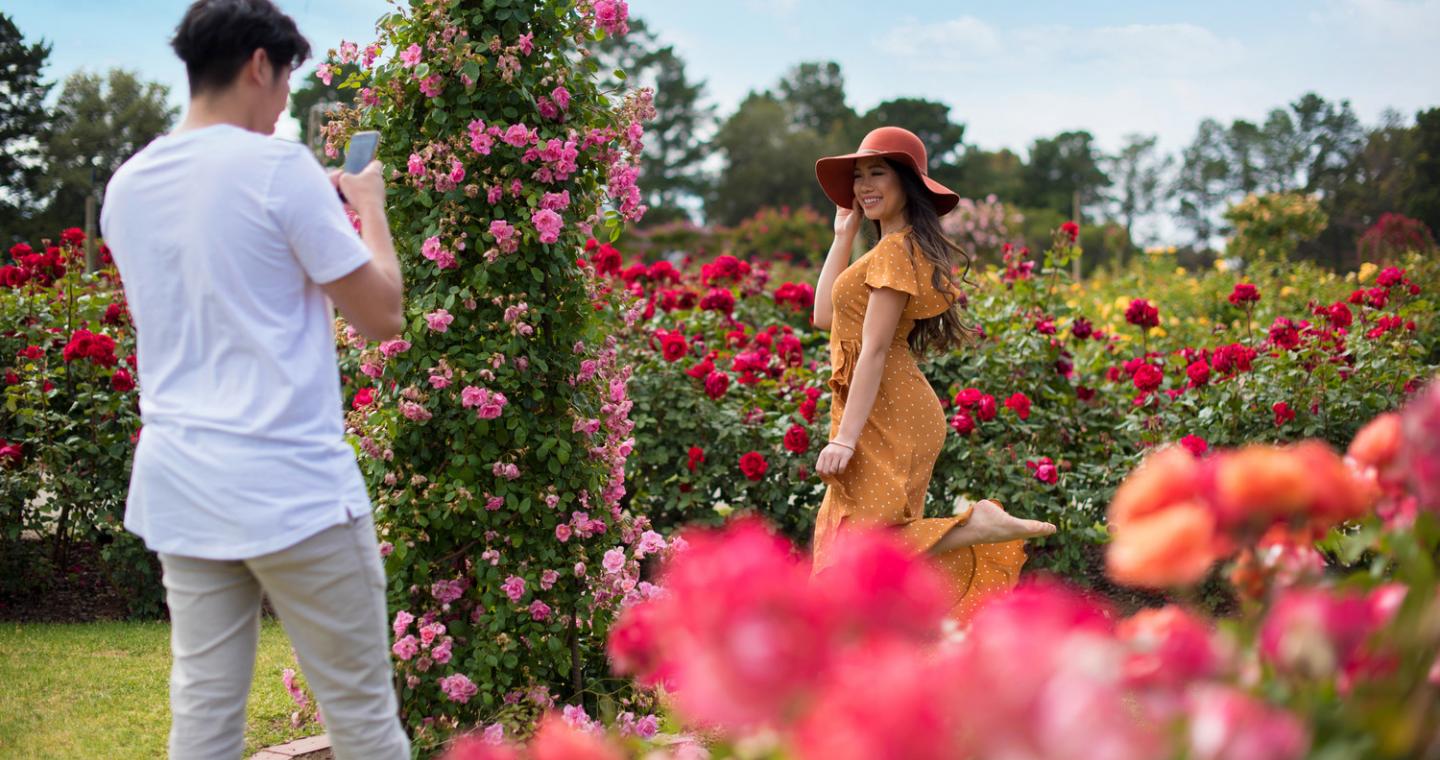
x=296, y=749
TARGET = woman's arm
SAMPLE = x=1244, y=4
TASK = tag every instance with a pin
x=847, y=225
x=882, y=317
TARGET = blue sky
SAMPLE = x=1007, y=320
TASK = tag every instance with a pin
x=1011, y=71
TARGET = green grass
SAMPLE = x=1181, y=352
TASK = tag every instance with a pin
x=101, y=690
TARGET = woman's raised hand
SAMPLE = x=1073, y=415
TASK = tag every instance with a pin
x=847, y=220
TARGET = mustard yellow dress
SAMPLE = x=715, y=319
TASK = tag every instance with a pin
x=887, y=478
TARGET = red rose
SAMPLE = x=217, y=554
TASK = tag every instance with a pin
x=807, y=409
x=718, y=299
x=697, y=458
x=1141, y=314
x=1044, y=470
x=1199, y=373
x=1045, y=325
x=1083, y=393
x=80, y=346
x=1339, y=315
x=1233, y=358
x=1284, y=334
x=10, y=454
x=986, y=409
x=1071, y=230
x=753, y=465
x=34, y=353
x=114, y=314
x=1081, y=329
x=716, y=383
x=1244, y=293
x=73, y=236
x=363, y=398
x=1148, y=377
x=1019, y=403
x=121, y=381
x=702, y=369
x=673, y=346
x=11, y=378
x=13, y=276
x=963, y=423
x=1390, y=277
x=1283, y=413
x=968, y=398
x=1195, y=445
x=797, y=440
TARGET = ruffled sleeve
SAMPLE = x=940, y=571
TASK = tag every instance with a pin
x=890, y=266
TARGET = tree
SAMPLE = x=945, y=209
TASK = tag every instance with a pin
x=1328, y=136
x=314, y=92
x=1244, y=152
x=814, y=94
x=671, y=170
x=767, y=163
x=1061, y=167
x=981, y=173
x=23, y=125
x=98, y=123
x=1139, y=172
x=1203, y=182
x=1425, y=190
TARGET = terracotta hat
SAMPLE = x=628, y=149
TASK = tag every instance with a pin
x=837, y=173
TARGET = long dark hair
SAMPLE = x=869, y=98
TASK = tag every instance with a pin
x=948, y=329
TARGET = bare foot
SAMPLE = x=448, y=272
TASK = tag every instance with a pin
x=989, y=524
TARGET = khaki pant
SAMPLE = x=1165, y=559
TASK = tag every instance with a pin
x=329, y=591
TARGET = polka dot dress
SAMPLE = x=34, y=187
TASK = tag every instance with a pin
x=888, y=476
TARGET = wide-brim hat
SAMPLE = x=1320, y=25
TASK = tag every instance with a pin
x=837, y=173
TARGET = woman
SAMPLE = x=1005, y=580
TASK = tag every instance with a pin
x=886, y=428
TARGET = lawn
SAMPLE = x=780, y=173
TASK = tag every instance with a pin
x=100, y=690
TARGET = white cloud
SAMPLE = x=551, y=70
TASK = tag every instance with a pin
x=970, y=44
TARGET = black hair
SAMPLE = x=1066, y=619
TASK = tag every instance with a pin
x=217, y=37
x=948, y=329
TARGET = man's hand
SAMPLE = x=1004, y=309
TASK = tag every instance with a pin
x=364, y=191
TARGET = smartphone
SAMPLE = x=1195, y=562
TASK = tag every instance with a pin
x=361, y=151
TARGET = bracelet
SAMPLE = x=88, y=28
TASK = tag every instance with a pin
x=837, y=443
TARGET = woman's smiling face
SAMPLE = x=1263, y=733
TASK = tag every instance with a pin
x=877, y=187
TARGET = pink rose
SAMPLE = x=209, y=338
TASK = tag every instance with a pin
x=405, y=648
x=458, y=688
x=410, y=56
x=439, y=320
x=548, y=224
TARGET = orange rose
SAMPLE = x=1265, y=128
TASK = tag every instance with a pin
x=1172, y=547
x=1337, y=495
x=1377, y=444
x=1258, y=484
x=1164, y=478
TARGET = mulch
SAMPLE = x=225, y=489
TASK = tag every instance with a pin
x=79, y=593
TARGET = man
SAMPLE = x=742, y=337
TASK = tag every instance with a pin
x=232, y=245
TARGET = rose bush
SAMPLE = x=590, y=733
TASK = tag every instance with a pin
x=68, y=422
x=1070, y=383
x=494, y=431
x=1319, y=662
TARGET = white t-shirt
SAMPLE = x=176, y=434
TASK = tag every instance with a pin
x=221, y=236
